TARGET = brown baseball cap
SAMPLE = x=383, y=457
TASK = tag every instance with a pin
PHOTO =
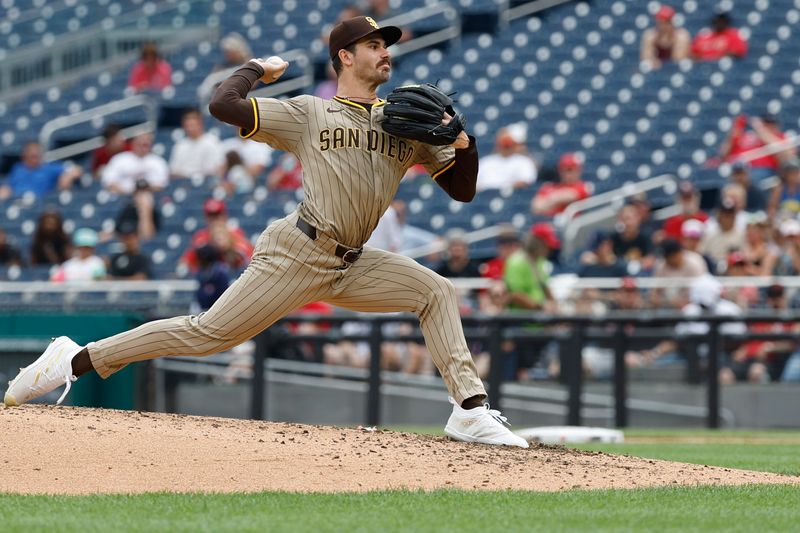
x=351, y=30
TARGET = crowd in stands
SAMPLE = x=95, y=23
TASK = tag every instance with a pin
x=746, y=230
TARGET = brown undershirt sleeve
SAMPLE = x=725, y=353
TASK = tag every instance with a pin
x=459, y=180
x=230, y=104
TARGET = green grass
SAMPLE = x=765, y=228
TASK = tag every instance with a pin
x=766, y=508
x=779, y=458
x=772, y=451
x=750, y=508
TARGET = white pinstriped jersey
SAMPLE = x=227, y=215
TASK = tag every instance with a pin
x=351, y=167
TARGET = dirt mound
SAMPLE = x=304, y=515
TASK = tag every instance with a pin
x=77, y=451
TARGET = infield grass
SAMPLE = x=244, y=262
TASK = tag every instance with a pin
x=707, y=509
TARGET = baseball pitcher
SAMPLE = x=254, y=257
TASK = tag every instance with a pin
x=352, y=168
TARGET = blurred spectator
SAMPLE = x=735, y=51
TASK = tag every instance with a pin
x=691, y=235
x=141, y=212
x=740, y=174
x=387, y=235
x=705, y=297
x=631, y=244
x=348, y=11
x=255, y=156
x=151, y=72
x=410, y=236
x=287, y=174
x=380, y=10
x=507, y=243
x=84, y=265
x=600, y=261
x=781, y=356
x=688, y=200
x=758, y=251
x=32, y=174
x=125, y=169
x=509, y=166
x=197, y=153
x=233, y=246
x=9, y=255
x=235, y=52
x=527, y=271
x=741, y=140
x=553, y=198
x=784, y=202
x=718, y=41
x=738, y=195
x=213, y=276
x=760, y=361
x=722, y=235
x=234, y=176
x=51, y=245
x=130, y=263
x=676, y=262
x=788, y=261
x=739, y=267
x=327, y=87
x=628, y=297
x=114, y=144
x=458, y=263
x=546, y=233
x=647, y=225
x=664, y=42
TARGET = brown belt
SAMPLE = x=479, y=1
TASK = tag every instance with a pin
x=348, y=255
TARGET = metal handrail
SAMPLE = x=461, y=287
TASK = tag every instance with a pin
x=453, y=31
x=669, y=182
x=770, y=149
x=524, y=10
x=90, y=115
x=100, y=42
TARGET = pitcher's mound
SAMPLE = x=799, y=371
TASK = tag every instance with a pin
x=77, y=451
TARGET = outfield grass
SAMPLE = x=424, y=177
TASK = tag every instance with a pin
x=707, y=509
x=765, y=508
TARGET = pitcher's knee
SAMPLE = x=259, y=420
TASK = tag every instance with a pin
x=209, y=338
x=442, y=291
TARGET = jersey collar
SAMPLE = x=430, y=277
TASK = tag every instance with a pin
x=345, y=101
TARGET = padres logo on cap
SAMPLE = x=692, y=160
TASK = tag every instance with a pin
x=372, y=23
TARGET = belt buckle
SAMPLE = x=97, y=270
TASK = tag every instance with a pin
x=351, y=256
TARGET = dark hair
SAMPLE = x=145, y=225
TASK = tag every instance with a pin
x=58, y=241
x=189, y=111
x=110, y=130
x=337, y=63
x=232, y=158
x=149, y=48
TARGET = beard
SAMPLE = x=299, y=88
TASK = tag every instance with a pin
x=375, y=75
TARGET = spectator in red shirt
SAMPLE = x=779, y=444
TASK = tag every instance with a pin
x=764, y=130
x=553, y=198
x=507, y=243
x=664, y=42
x=234, y=247
x=689, y=202
x=114, y=144
x=287, y=174
x=151, y=72
x=719, y=41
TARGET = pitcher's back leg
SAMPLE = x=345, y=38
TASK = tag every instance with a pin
x=382, y=281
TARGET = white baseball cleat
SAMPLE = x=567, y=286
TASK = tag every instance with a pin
x=51, y=370
x=481, y=424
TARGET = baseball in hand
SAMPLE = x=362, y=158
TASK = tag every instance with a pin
x=274, y=67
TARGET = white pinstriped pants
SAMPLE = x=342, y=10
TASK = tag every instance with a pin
x=289, y=270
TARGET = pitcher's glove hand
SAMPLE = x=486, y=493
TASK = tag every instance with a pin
x=420, y=113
